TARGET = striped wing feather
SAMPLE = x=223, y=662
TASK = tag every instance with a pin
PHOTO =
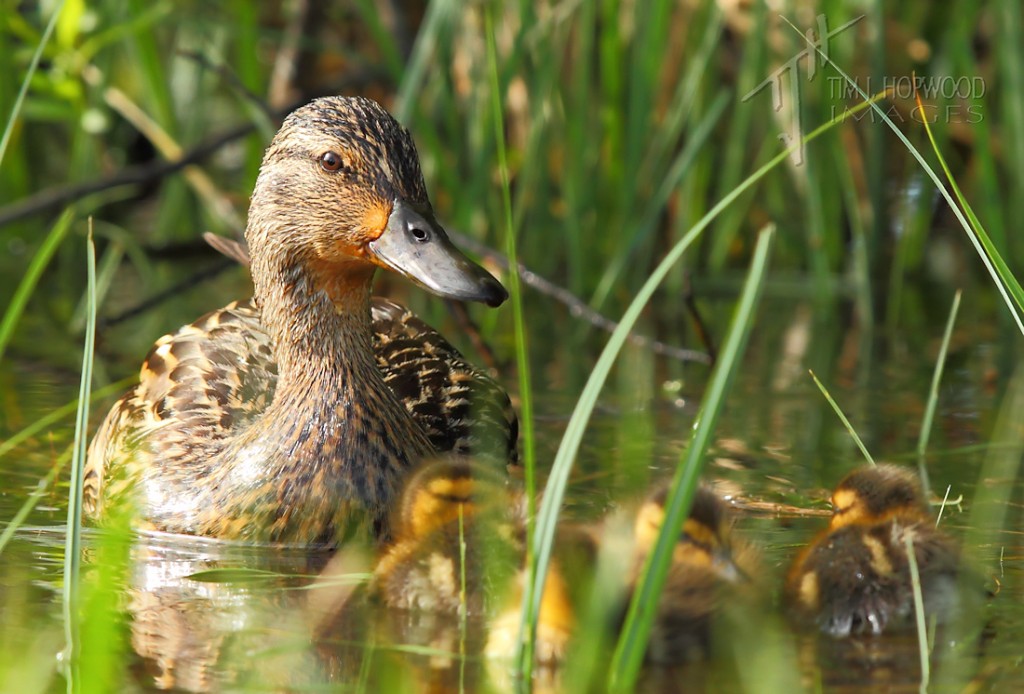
x=460, y=406
x=211, y=379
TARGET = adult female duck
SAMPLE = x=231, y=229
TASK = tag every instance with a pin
x=289, y=417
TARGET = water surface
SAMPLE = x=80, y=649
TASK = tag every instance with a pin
x=779, y=448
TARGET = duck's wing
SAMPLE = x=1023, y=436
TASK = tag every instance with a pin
x=459, y=405
x=197, y=386
x=462, y=409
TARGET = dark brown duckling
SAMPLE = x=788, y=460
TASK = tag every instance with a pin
x=274, y=420
x=710, y=565
x=854, y=578
x=459, y=552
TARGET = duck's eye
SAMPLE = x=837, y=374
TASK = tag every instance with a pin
x=331, y=161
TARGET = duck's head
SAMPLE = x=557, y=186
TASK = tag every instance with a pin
x=340, y=192
x=705, y=538
x=443, y=490
x=874, y=494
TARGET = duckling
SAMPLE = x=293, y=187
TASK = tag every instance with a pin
x=290, y=417
x=459, y=551
x=855, y=577
x=709, y=565
x=454, y=544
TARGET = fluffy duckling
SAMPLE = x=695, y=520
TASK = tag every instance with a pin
x=292, y=416
x=459, y=552
x=454, y=544
x=709, y=564
x=854, y=578
x=556, y=621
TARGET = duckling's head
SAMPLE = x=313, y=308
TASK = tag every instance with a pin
x=340, y=192
x=873, y=494
x=443, y=490
x=705, y=538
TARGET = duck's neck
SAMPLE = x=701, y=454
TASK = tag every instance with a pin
x=319, y=321
x=331, y=408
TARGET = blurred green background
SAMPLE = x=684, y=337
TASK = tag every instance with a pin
x=625, y=122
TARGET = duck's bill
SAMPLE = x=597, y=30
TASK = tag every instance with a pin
x=415, y=246
x=725, y=565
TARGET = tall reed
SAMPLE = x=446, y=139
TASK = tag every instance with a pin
x=73, y=541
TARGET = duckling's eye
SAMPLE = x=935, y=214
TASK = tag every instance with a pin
x=331, y=161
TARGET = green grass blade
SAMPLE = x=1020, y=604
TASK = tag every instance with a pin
x=382, y=37
x=990, y=508
x=104, y=623
x=649, y=223
x=1010, y=46
x=32, y=66
x=31, y=278
x=73, y=540
x=246, y=574
x=515, y=286
x=933, y=393
x=554, y=492
x=976, y=232
x=990, y=523
x=437, y=16
x=988, y=261
x=629, y=652
x=842, y=418
x=44, y=483
x=942, y=506
x=922, y=629
x=528, y=632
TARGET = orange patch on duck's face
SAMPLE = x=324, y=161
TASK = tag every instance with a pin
x=648, y=525
x=808, y=591
x=849, y=507
x=369, y=227
x=375, y=219
x=364, y=224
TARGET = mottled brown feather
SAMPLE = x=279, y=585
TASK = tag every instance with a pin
x=297, y=415
x=216, y=376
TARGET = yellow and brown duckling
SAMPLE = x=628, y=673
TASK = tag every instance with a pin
x=459, y=551
x=288, y=417
x=854, y=578
x=454, y=541
x=709, y=566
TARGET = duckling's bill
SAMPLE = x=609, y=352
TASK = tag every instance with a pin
x=414, y=245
